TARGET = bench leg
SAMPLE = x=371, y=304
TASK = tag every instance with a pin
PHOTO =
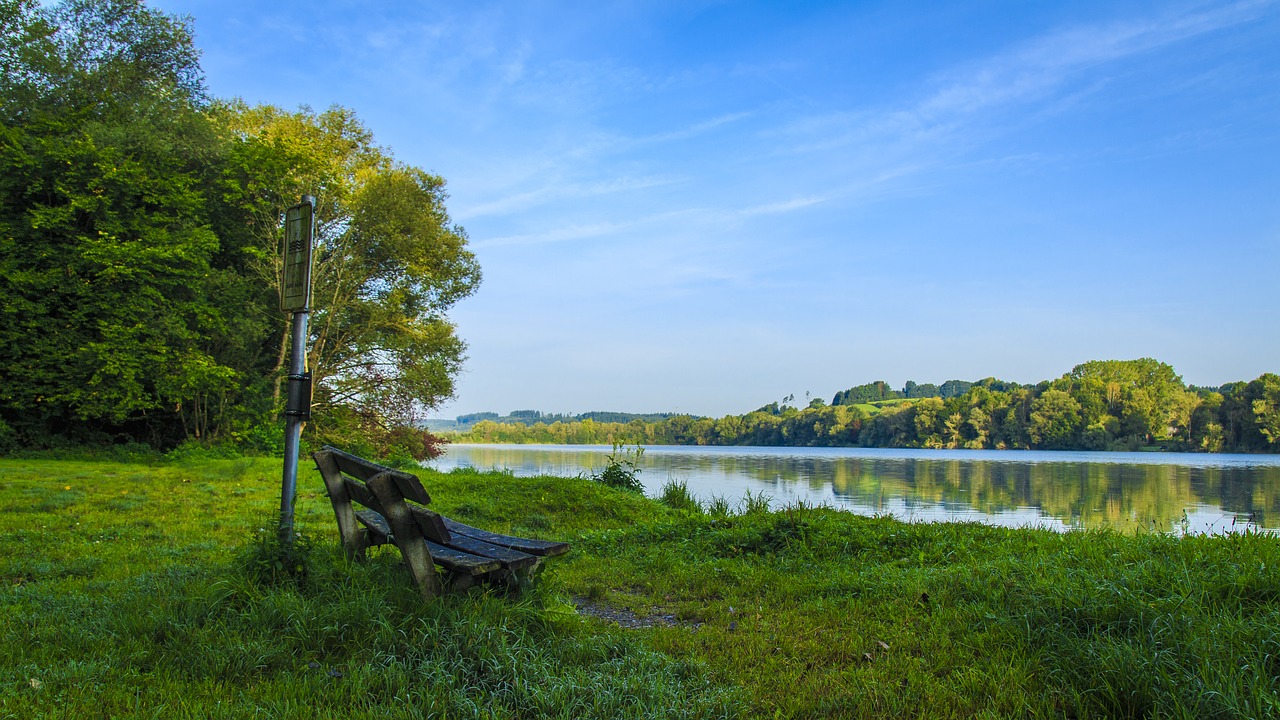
x=354, y=540
x=413, y=547
x=422, y=569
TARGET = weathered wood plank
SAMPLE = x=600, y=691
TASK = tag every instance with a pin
x=544, y=548
x=451, y=558
x=348, y=530
x=376, y=525
x=361, y=469
x=361, y=493
x=356, y=467
x=424, y=538
x=458, y=561
x=431, y=524
x=513, y=560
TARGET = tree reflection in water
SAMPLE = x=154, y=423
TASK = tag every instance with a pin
x=1123, y=491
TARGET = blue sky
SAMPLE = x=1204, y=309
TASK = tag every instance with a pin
x=705, y=206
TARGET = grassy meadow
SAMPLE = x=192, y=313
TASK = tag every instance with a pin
x=147, y=590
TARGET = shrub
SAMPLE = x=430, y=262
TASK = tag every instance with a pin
x=271, y=563
x=623, y=469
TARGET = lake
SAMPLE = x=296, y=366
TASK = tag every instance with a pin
x=1176, y=492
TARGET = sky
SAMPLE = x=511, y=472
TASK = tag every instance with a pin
x=703, y=207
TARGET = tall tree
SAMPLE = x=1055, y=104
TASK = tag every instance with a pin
x=390, y=261
x=106, y=258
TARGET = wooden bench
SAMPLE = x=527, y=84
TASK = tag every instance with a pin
x=393, y=513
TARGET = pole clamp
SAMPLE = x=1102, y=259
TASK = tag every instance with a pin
x=298, y=404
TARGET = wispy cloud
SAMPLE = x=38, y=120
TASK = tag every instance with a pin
x=558, y=164
x=523, y=201
x=573, y=232
x=691, y=131
x=781, y=207
x=1031, y=72
x=1044, y=64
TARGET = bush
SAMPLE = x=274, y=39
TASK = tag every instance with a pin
x=271, y=563
x=622, y=469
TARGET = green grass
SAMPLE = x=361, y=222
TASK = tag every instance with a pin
x=872, y=409
x=129, y=590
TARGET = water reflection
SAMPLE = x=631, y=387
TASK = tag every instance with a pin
x=1124, y=491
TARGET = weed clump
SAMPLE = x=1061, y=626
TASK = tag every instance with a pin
x=676, y=495
x=267, y=561
x=622, y=471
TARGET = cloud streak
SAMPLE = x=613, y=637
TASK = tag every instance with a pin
x=1027, y=73
x=554, y=192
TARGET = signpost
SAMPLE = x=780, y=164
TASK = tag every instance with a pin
x=295, y=297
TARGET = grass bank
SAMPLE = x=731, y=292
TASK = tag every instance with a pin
x=134, y=590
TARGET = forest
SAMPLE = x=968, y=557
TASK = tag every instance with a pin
x=140, y=230
x=1098, y=405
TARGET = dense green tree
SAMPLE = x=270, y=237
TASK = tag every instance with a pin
x=915, y=391
x=139, y=256
x=978, y=428
x=928, y=421
x=871, y=392
x=390, y=261
x=1144, y=394
x=110, y=275
x=1205, y=429
x=1055, y=420
x=954, y=388
x=893, y=427
x=1266, y=409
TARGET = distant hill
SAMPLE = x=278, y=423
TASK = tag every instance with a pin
x=880, y=390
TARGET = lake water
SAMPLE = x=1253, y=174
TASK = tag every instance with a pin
x=1060, y=490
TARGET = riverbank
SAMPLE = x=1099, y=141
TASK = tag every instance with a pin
x=131, y=588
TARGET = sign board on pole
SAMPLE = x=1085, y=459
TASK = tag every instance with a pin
x=295, y=286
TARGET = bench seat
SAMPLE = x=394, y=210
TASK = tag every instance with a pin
x=425, y=539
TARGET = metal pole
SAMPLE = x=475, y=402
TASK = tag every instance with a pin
x=293, y=429
x=298, y=407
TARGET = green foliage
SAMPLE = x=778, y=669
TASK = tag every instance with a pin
x=1266, y=409
x=269, y=562
x=871, y=392
x=139, y=231
x=111, y=306
x=755, y=503
x=531, y=417
x=718, y=507
x=1055, y=415
x=622, y=469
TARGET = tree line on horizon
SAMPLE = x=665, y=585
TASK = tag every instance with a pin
x=140, y=230
x=530, y=417
x=1098, y=405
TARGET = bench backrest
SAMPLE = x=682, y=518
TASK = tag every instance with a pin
x=384, y=491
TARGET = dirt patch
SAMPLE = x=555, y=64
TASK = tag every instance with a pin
x=624, y=617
